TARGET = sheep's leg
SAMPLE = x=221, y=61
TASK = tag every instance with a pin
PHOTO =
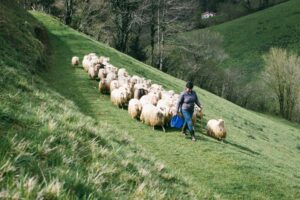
x=153, y=128
x=163, y=128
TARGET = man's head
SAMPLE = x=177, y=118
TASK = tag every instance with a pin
x=189, y=86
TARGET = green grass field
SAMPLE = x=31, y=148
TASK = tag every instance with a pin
x=247, y=38
x=259, y=159
x=60, y=138
x=49, y=148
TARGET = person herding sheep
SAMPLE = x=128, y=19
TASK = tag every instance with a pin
x=185, y=105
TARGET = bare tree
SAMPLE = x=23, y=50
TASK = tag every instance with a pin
x=68, y=11
x=168, y=13
x=282, y=74
x=124, y=18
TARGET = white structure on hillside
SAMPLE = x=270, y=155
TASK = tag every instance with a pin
x=207, y=15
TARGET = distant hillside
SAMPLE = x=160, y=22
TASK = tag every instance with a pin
x=246, y=39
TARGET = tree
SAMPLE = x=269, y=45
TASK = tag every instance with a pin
x=282, y=74
x=68, y=12
x=196, y=58
x=168, y=14
x=124, y=19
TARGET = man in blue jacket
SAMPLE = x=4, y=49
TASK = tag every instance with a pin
x=186, y=103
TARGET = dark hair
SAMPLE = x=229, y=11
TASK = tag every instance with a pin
x=189, y=85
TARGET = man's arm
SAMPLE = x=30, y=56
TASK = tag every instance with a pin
x=197, y=101
x=179, y=103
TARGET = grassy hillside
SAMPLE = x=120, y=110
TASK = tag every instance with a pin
x=49, y=149
x=259, y=159
x=246, y=39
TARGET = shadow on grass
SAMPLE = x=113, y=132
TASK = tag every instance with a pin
x=243, y=148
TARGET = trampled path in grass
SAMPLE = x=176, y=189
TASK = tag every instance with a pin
x=259, y=159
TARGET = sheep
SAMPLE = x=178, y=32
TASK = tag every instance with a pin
x=85, y=63
x=138, y=93
x=127, y=91
x=110, y=68
x=123, y=80
x=75, y=60
x=114, y=85
x=216, y=129
x=93, y=71
x=118, y=98
x=157, y=94
x=111, y=76
x=104, y=60
x=134, y=108
x=122, y=73
x=140, y=85
x=156, y=88
x=198, y=113
x=167, y=94
x=153, y=116
x=104, y=86
x=89, y=60
x=149, y=99
x=170, y=109
x=135, y=79
x=102, y=74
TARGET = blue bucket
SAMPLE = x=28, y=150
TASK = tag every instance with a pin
x=176, y=122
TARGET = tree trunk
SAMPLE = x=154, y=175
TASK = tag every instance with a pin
x=158, y=29
x=152, y=30
x=68, y=11
x=162, y=36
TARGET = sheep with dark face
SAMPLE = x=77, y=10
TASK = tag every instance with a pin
x=102, y=74
x=75, y=60
x=138, y=93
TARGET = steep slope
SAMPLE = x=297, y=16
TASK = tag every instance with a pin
x=246, y=39
x=49, y=149
x=259, y=159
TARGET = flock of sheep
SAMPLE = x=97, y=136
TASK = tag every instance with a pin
x=149, y=102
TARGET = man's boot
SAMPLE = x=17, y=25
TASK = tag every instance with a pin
x=193, y=135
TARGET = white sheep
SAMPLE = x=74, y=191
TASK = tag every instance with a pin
x=118, y=97
x=148, y=99
x=216, y=129
x=89, y=60
x=114, y=85
x=122, y=73
x=198, y=113
x=111, y=76
x=153, y=116
x=104, y=86
x=93, y=71
x=134, y=108
x=75, y=60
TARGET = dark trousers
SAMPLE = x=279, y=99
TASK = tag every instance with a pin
x=188, y=123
